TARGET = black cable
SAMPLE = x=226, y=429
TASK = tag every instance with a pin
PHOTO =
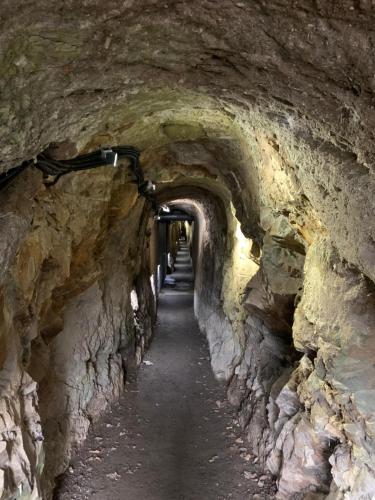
x=7, y=177
x=87, y=161
x=57, y=168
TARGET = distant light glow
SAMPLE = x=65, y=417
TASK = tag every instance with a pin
x=134, y=300
x=170, y=260
x=152, y=282
x=239, y=270
x=243, y=243
x=159, y=277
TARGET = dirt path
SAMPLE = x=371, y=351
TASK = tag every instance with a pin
x=172, y=435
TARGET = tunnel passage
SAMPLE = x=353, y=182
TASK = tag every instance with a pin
x=256, y=117
x=172, y=433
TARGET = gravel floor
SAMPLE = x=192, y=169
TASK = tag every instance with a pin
x=172, y=436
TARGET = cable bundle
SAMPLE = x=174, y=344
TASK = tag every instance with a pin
x=106, y=156
x=8, y=176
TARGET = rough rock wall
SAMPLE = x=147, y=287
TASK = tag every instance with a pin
x=209, y=255
x=334, y=326
x=311, y=425
x=69, y=332
x=273, y=99
x=250, y=320
x=305, y=422
x=248, y=313
x=248, y=324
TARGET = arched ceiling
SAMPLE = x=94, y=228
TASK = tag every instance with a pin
x=86, y=69
x=265, y=104
x=273, y=98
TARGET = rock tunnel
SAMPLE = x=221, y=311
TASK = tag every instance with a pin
x=257, y=119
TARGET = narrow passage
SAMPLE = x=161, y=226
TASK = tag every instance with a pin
x=172, y=436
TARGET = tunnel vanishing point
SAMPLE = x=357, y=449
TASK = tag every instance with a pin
x=256, y=120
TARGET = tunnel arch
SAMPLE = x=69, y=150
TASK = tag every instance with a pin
x=275, y=119
x=202, y=170
x=248, y=326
